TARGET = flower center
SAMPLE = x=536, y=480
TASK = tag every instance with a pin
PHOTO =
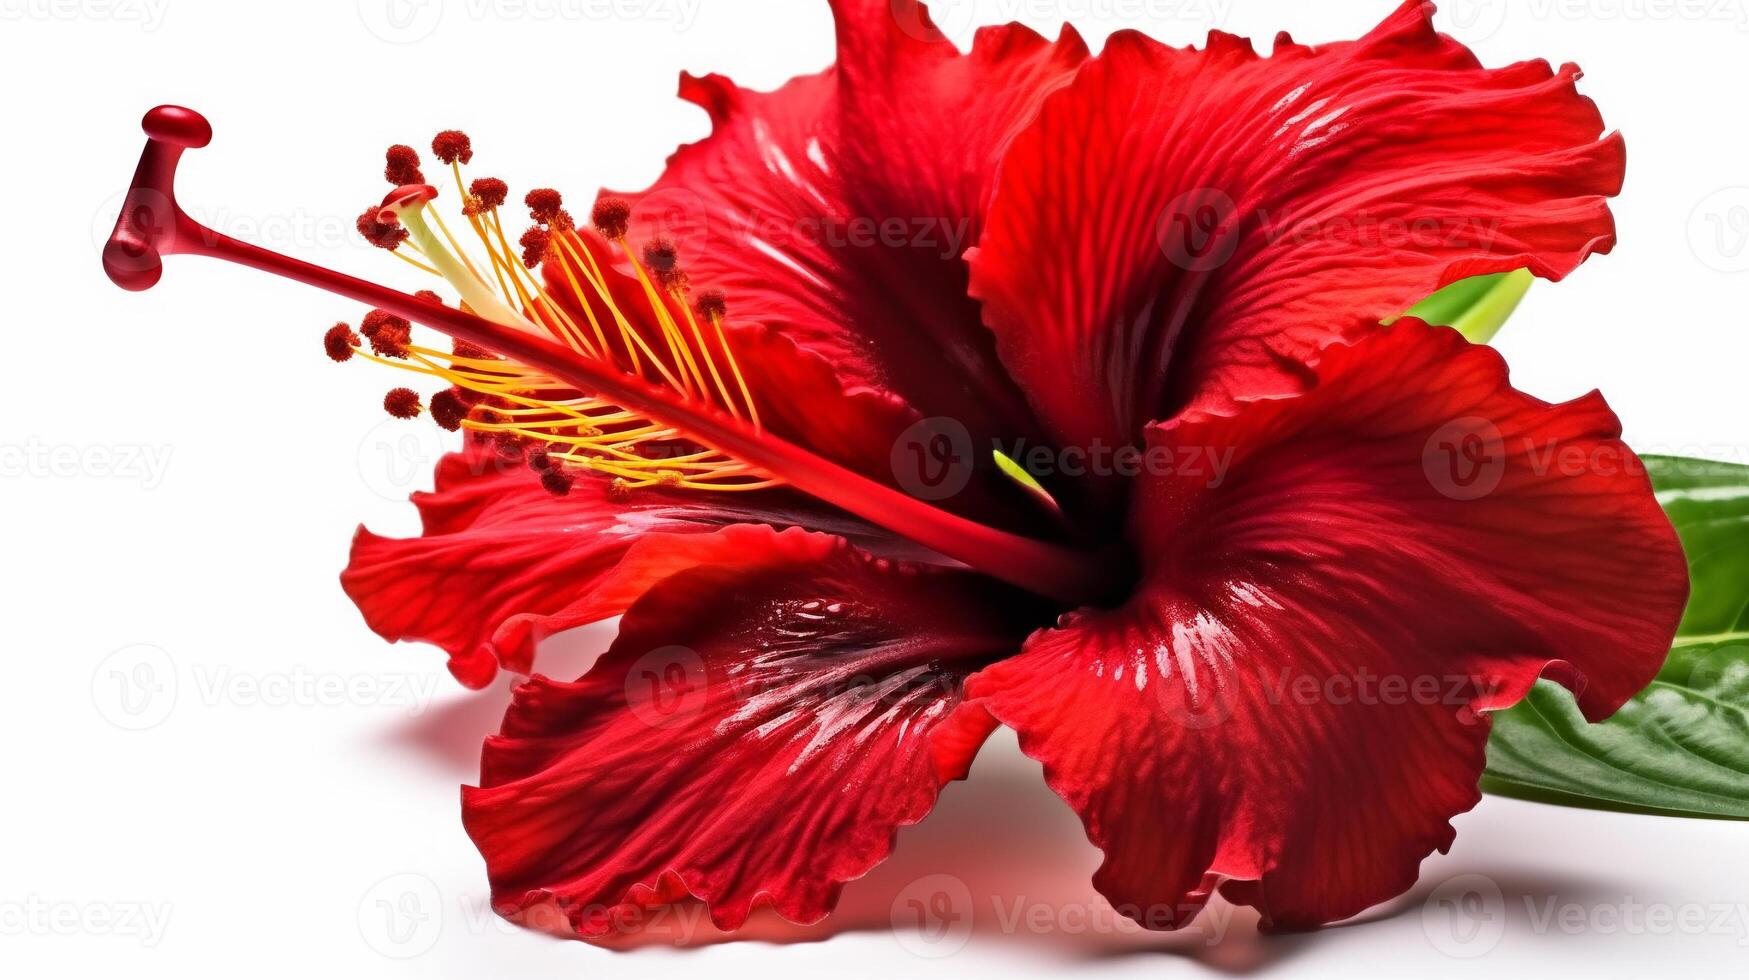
x=550, y=361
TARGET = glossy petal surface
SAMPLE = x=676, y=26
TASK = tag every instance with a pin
x=753, y=735
x=501, y=563
x=1294, y=692
x=1182, y=228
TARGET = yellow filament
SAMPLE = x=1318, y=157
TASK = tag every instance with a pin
x=576, y=428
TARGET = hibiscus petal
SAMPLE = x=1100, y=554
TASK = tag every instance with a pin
x=1291, y=699
x=503, y=564
x=1184, y=228
x=752, y=735
x=835, y=209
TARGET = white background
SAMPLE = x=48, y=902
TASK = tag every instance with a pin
x=277, y=793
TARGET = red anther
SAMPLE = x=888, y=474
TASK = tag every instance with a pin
x=448, y=409
x=429, y=296
x=543, y=204
x=484, y=413
x=534, y=242
x=490, y=192
x=377, y=320
x=664, y=260
x=611, y=216
x=462, y=348
x=339, y=342
x=539, y=461
x=390, y=343
x=402, y=165
x=508, y=445
x=661, y=255
x=452, y=146
x=402, y=403
x=557, y=482
x=388, y=334
x=382, y=234
x=712, y=304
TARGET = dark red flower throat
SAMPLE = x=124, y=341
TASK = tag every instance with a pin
x=152, y=225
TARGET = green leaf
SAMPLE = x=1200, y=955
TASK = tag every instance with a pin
x=1682, y=745
x=1476, y=307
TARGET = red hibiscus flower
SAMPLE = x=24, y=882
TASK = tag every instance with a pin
x=939, y=391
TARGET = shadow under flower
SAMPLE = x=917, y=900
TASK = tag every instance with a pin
x=448, y=734
x=1001, y=860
